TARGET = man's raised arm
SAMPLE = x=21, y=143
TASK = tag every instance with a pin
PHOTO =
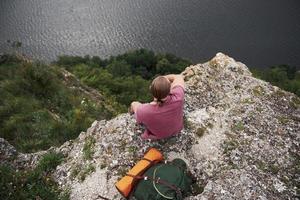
x=175, y=79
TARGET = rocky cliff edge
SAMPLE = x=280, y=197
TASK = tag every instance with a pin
x=241, y=140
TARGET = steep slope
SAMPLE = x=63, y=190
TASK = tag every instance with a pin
x=43, y=105
x=241, y=140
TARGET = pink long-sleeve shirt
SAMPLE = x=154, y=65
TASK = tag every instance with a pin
x=162, y=121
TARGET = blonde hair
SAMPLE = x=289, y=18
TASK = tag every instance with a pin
x=160, y=88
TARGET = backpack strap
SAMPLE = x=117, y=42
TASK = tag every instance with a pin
x=165, y=183
x=140, y=176
x=173, y=187
x=160, y=181
x=150, y=161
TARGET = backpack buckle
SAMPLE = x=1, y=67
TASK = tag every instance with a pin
x=157, y=180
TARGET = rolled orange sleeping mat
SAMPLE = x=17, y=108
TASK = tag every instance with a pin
x=125, y=185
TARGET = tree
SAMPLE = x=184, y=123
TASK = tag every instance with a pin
x=163, y=66
x=119, y=68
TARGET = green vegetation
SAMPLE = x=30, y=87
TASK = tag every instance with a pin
x=272, y=168
x=295, y=102
x=247, y=101
x=283, y=76
x=40, y=106
x=197, y=188
x=75, y=171
x=50, y=161
x=103, y=165
x=238, y=127
x=230, y=145
x=132, y=149
x=122, y=171
x=86, y=171
x=80, y=172
x=258, y=90
x=31, y=184
x=88, y=148
x=283, y=119
x=38, y=109
x=125, y=77
x=200, y=131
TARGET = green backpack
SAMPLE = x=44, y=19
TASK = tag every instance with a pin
x=164, y=181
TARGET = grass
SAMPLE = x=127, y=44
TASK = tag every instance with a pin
x=197, y=189
x=81, y=174
x=200, y=131
x=50, y=161
x=271, y=168
x=258, y=90
x=213, y=63
x=75, y=171
x=86, y=171
x=88, y=148
x=39, y=108
x=238, y=127
x=187, y=124
x=248, y=101
x=210, y=125
x=32, y=184
x=65, y=195
x=122, y=171
x=103, y=165
x=259, y=109
x=274, y=168
x=132, y=149
x=295, y=102
x=230, y=145
x=279, y=93
x=283, y=120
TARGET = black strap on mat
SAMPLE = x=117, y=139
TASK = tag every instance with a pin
x=101, y=197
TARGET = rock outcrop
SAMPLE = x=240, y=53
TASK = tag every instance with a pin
x=241, y=140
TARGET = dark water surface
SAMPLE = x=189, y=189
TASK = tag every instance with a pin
x=257, y=32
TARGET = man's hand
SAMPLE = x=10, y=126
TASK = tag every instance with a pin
x=175, y=79
x=133, y=107
x=170, y=77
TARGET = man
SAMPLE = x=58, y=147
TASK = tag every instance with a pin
x=163, y=117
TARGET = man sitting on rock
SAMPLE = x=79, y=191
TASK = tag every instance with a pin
x=163, y=117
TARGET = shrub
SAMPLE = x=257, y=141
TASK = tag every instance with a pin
x=49, y=161
x=41, y=107
x=88, y=148
x=31, y=184
x=38, y=109
x=127, y=77
x=283, y=76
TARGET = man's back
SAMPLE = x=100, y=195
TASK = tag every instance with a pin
x=165, y=120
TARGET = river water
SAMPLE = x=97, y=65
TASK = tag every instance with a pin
x=259, y=33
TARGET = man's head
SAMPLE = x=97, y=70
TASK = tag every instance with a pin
x=160, y=88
